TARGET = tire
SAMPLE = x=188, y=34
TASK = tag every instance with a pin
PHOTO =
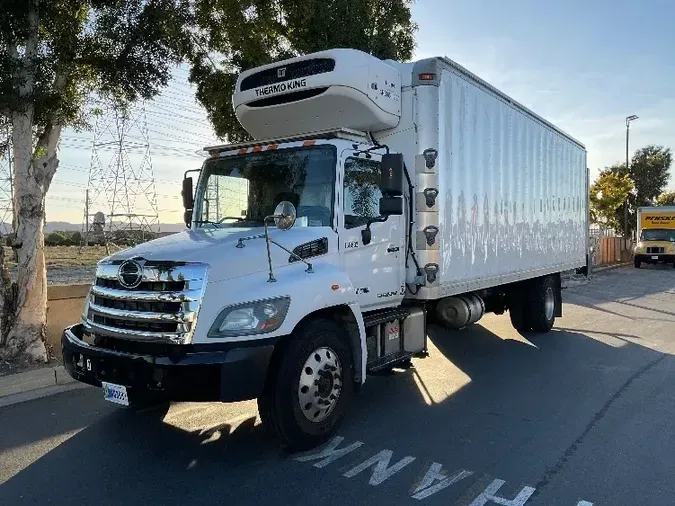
x=294, y=407
x=541, y=304
x=637, y=263
x=519, y=318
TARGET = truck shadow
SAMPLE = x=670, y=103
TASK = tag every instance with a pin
x=478, y=397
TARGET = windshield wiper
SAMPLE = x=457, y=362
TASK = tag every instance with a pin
x=242, y=220
x=208, y=222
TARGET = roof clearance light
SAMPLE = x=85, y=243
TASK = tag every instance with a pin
x=309, y=143
x=427, y=76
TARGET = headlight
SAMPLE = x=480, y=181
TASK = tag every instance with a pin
x=85, y=307
x=257, y=317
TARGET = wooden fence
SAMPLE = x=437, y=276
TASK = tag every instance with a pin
x=611, y=250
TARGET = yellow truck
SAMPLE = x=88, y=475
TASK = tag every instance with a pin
x=656, y=236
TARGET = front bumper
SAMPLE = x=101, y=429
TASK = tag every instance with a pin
x=655, y=257
x=211, y=372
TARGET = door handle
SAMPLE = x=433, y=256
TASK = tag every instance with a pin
x=392, y=249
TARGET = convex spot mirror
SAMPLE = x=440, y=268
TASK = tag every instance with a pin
x=285, y=215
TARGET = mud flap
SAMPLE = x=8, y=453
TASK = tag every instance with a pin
x=558, y=296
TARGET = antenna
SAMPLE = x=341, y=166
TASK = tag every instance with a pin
x=121, y=182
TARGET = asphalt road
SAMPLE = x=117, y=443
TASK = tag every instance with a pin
x=582, y=416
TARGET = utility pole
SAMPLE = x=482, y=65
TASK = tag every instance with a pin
x=86, y=217
x=625, y=206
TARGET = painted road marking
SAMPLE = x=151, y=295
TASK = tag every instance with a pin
x=489, y=495
x=382, y=470
x=436, y=474
x=329, y=453
x=435, y=479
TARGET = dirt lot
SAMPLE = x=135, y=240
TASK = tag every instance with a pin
x=68, y=264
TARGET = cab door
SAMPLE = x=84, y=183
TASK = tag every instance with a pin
x=375, y=267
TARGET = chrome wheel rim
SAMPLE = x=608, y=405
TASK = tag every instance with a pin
x=320, y=384
x=549, y=303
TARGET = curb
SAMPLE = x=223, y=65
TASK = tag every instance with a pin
x=29, y=385
x=610, y=267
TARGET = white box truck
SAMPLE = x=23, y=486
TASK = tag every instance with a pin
x=375, y=193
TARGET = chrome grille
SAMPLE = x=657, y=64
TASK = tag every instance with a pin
x=656, y=249
x=162, y=308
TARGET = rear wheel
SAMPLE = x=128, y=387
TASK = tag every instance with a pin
x=542, y=302
x=306, y=397
x=519, y=318
x=637, y=263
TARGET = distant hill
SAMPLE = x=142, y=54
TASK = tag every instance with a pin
x=51, y=226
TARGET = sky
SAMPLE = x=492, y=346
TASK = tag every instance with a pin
x=583, y=65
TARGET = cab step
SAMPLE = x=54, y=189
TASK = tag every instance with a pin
x=389, y=361
x=386, y=315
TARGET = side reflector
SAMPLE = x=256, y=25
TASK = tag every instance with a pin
x=335, y=287
x=427, y=77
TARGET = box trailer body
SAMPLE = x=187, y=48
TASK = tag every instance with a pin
x=655, y=235
x=512, y=188
x=375, y=193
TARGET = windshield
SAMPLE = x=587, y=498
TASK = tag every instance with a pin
x=657, y=234
x=240, y=191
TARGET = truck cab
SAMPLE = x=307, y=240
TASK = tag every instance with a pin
x=287, y=285
x=655, y=236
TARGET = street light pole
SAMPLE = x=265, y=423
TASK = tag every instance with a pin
x=625, y=206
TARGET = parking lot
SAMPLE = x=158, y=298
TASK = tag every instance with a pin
x=581, y=416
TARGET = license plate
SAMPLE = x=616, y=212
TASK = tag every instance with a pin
x=655, y=257
x=115, y=393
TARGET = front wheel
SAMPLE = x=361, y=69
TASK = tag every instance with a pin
x=306, y=397
x=637, y=263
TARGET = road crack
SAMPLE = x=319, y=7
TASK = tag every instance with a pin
x=571, y=450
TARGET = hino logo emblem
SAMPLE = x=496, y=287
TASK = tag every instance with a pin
x=130, y=274
x=281, y=72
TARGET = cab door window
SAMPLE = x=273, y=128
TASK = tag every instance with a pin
x=361, y=191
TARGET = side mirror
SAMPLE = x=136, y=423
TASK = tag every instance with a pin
x=187, y=193
x=391, y=206
x=391, y=180
x=187, y=218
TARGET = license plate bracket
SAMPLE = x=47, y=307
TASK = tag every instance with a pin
x=655, y=257
x=115, y=393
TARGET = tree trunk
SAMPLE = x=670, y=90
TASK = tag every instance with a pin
x=27, y=326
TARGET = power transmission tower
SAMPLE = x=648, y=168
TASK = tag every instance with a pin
x=6, y=185
x=121, y=185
